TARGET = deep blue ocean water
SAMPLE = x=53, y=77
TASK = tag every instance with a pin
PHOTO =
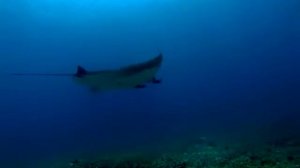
x=229, y=67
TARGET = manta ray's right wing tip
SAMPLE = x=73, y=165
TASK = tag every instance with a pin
x=159, y=58
x=160, y=55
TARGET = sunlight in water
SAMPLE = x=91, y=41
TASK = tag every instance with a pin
x=79, y=9
x=104, y=4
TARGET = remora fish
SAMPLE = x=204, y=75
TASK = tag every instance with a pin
x=132, y=76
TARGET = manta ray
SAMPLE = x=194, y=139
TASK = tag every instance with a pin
x=127, y=77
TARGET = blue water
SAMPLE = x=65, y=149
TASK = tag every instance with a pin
x=229, y=66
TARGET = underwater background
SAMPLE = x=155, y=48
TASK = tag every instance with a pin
x=231, y=73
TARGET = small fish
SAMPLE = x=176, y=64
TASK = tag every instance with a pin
x=132, y=76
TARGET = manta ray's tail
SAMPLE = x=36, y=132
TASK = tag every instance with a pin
x=80, y=72
x=42, y=74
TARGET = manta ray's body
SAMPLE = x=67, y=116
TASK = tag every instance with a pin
x=133, y=76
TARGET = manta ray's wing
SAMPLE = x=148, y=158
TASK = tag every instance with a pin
x=154, y=63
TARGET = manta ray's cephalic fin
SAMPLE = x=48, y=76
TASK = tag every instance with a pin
x=140, y=86
x=156, y=81
x=80, y=71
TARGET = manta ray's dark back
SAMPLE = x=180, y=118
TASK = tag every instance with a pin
x=129, y=70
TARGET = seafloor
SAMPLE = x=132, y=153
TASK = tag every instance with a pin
x=204, y=153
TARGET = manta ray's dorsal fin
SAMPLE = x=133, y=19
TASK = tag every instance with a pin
x=80, y=71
